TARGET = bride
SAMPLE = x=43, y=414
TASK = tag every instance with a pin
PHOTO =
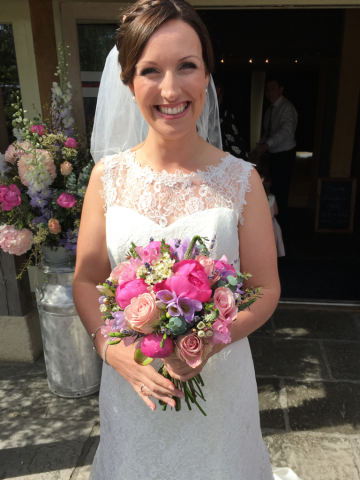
x=171, y=185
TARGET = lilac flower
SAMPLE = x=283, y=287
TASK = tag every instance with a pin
x=119, y=321
x=38, y=201
x=70, y=241
x=179, y=246
x=179, y=305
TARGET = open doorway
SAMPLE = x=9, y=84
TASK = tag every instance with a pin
x=304, y=47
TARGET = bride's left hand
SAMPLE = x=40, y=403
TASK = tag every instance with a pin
x=181, y=370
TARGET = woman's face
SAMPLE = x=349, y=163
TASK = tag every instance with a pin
x=170, y=80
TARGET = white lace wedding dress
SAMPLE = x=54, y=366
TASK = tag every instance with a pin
x=135, y=442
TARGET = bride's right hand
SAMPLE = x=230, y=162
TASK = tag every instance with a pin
x=122, y=359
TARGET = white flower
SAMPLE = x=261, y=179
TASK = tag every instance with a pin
x=209, y=333
x=201, y=333
x=200, y=325
x=103, y=308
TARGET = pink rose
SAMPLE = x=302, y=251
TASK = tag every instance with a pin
x=221, y=332
x=190, y=279
x=150, y=253
x=33, y=129
x=66, y=200
x=209, y=267
x=66, y=168
x=118, y=271
x=150, y=346
x=130, y=272
x=225, y=269
x=129, y=290
x=142, y=313
x=15, y=242
x=191, y=349
x=10, y=198
x=224, y=301
x=54, y=226
x=71, y=143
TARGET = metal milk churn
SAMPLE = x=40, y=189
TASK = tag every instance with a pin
x=73, y=368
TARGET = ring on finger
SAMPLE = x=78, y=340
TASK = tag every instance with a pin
x=141, y=388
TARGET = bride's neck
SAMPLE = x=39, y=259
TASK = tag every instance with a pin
x=170, y=154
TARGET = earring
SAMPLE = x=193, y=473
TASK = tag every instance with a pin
x=133, y=97
x=206, y=88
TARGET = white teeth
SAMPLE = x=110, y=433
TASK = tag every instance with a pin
x=172, y=111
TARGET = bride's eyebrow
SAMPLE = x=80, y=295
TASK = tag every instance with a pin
x=151, y=62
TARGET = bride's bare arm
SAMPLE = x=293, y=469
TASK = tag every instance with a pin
x=93, y=267
x=258, y=256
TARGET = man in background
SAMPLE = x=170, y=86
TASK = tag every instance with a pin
x=280, y=121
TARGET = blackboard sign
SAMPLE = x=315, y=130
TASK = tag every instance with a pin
x=335, y=205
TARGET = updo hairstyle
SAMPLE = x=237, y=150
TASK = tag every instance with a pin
x=141, y=20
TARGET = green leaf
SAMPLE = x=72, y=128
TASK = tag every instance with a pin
x=142, y=359
x=246, y=304
x=232, y=280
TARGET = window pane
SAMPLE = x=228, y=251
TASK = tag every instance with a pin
x=95, y=42
x=9, y=78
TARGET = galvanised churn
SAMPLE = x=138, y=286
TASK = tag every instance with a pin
x=73, y=368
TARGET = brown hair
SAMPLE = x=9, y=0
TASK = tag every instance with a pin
x=141, y=20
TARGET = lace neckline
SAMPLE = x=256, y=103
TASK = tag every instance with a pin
x=130, y=158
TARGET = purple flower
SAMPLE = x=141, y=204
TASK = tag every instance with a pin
x=38, y=201
x=119, y=321
x=179, y=246
x=70, y=241
x=179, y=305
x=101, y=299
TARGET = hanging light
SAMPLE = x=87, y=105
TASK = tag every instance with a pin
x=250, y=61
x=296, y=61
x=266, y=61
x=222, y=60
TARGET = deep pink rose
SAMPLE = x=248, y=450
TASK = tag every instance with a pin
x=33, y=129
x=190, y=279
x=66, y=200
x=224, y=301
x=142, y=313
x=150, y=346
x=129, y=290
x=71, y=143
x=191, y=349
x=10, y=198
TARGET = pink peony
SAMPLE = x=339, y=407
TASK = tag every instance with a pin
x=15, y=242
x=118, y=271
x=191, y=349
x=224, y=301
x=10, y=198
x=190, y=279
x=130, y=272
x=66, y=168
x=150, y=346
x=129, y=290
x=66, y=200
x=71, y=143
x=54, y=226
x=46, y=159
x=142, y=313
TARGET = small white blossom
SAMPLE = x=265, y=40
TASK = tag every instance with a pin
x=201, y=333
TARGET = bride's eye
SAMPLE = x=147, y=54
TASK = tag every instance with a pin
x=147, y=71
x=188, y=66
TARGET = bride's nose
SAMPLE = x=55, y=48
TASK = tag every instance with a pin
x=170, y=88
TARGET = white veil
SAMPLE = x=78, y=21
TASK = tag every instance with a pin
x=119, y=124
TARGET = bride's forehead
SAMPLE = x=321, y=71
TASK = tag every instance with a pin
x=175, y=36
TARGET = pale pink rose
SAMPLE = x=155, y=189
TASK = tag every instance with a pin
x=71, y=143
x=224, y=301
x=209, y=266
x=130, y=272
x=118, y=271
x=54, y=226
x=191, y=349
x=10, y=198
x=66, y=168
x=15, y=242
x=142, y=313
x=66, y=200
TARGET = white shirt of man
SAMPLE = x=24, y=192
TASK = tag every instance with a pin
x=283, y=125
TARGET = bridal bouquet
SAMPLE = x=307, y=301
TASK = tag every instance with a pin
x=171, y=296
x=43, y=177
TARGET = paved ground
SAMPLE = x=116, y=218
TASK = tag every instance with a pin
x=308, y=369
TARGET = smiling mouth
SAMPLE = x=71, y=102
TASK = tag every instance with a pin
x=173, y=111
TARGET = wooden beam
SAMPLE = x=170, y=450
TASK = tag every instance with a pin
x=43, y=29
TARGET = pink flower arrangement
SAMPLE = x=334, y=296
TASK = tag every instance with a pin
x=54, y=226
x=10, y=197
x=15, y=151
x=167, y=304
x=24, y=164
x=66, y=200
x=15, y=242
x=71, y=143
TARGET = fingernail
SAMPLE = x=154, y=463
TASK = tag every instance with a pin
x=152, y=408
x=180, y=395
x=172, y=388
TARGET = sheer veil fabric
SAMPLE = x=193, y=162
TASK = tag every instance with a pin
x=118, y=123
x=136, y=443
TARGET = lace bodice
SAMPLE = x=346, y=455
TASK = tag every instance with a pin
x=164, y=198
